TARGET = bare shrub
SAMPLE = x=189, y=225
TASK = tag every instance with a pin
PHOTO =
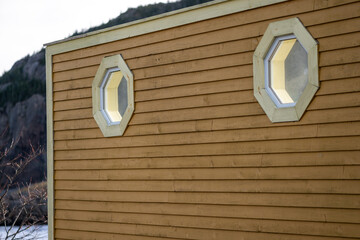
x=22, y=205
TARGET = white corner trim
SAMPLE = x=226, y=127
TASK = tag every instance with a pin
x=50, y=145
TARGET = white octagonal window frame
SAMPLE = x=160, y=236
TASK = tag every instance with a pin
x=276, y=32
x=108, y=83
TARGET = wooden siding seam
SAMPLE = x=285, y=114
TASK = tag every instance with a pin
x=209, y=130
x=231, y=217
x=214, y=161
x=212, y=204
x=202, y=216
x=207, y=228
x=80, y=201
x=59, y=130
x=183, y=179
x=58, y=169
x=121, y=234
x=216, y=192
x=336, y=21
x=193, y=119
x=71, y=80
x=187, y=179
x=217, y=155
x=340, y=65
x=203, y=155
x=197, y=180
x=220, y=142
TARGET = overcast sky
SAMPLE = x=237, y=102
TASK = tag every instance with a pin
x=25, y=25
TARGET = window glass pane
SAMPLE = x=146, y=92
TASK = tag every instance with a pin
x=288, y=71
x=122, y=96
x=277, y=79
x=296, y=71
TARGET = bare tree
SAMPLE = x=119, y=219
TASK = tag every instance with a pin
x=22, y=205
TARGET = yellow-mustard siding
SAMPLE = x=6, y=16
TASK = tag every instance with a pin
x=200, y=159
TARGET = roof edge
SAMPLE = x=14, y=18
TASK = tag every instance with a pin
x=155, y=23
x=136, y=22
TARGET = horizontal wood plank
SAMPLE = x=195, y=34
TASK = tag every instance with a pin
x=341, y=56
x=320, y=172
x=256, y=147
x=252, y=212
x=66, y=234
x=346, y=40
x=72, y=84
x=249, y=199
x=292, y=184
x=74, y=127
x=273, y=133
x=248, y=225
x=341, y=158
x=93, y=231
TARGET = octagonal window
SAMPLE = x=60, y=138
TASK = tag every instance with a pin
x=113, y=96
x=286, y=71
x=286, y=75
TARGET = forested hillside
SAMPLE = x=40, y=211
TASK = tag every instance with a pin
x=22, y=93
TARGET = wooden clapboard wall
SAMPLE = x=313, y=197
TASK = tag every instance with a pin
x=200, y=159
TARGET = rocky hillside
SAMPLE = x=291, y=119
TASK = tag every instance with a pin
x=22, y=92
x=140, y=12
x=23, y=112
